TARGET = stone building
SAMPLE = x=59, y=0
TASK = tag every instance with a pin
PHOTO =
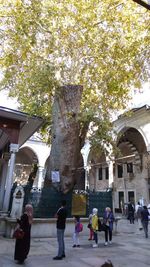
x=15, y=128
x=127, y=175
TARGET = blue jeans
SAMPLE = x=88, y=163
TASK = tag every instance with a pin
x=61, y=243
x=96, y=237
x=145, y=227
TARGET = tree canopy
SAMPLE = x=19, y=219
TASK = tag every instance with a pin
x=101, y=45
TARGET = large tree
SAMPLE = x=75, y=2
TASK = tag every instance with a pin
x=74, y=63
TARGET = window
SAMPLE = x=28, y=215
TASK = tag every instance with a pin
x=121, y=199
x=120, y=171
x=130, y=167
x=131, y=196
x=106, y=173
x=100, y=174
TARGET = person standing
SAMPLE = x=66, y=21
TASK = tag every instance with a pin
x=61, y=216
x=108, y=220
x=22, y=246
x=144, y=220
x=77, y=230
x=138, y=209
x=95, y=226
x=91, y=237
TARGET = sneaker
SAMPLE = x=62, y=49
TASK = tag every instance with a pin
x=74, y=246
x=110, y=242
x=106, y=243
x=95, y=246
x=78, y=246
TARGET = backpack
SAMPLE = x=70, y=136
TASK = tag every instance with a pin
x=80, y=227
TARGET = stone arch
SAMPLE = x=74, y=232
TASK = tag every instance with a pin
x=26, y=160
x=122, y=129
x=131, y=142
x=132, y=149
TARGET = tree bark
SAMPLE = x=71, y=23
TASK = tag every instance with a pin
x=66, y=144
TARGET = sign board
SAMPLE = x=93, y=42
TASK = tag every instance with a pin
x=55, y=176
x=79, y=204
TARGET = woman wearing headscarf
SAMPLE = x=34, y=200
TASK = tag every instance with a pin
x=108, y=219
x=22, y=246
x=95, y=226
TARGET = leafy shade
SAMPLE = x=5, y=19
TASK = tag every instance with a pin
x=102, y=45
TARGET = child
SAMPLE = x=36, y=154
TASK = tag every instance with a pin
x=76, y=241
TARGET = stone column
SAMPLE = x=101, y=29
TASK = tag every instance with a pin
x=3, y=181
x=111, y=175
x=9, y=179
x=40, y=176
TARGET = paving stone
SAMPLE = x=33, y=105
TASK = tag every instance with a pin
x=129, y=249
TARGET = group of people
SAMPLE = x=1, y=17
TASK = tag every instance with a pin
x=96, y=225
x=22, y=246
x=141, y=213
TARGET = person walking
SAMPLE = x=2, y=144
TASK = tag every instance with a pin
x=138, y=209
x=108, y=220
x=22, y=246
x=95, y=226
x=77, y=230
x=131, y=213
x=144, y=220
x=91, y=237
x=61, y=216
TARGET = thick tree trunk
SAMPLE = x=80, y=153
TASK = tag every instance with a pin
x=66, y=143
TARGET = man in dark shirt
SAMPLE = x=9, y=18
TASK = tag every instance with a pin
x=61, y=216
x=144, y=220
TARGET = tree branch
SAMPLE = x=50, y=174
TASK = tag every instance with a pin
x=142, y=3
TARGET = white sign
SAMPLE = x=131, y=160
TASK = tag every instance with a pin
x=55, y=176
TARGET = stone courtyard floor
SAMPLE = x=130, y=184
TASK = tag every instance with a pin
x=129, y=248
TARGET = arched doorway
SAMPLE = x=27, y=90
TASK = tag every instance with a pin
x=26, y=160
x=130, y=184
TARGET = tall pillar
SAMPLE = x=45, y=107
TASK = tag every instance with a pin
x=3, y=181
x=40, y=176
x=9, y=179
x=111, y=175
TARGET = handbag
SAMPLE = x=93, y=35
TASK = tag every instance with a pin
x=89, y=226
x=102, y=226
x=18, y=233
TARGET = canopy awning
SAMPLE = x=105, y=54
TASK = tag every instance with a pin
x=17, y=125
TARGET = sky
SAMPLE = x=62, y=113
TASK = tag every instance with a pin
x=138, y=99
x=8, y=102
